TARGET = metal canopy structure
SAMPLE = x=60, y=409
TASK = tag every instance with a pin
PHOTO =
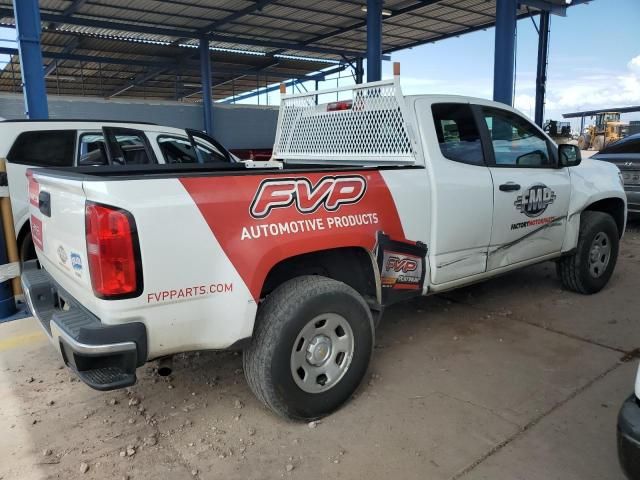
x=149, y=48
x=107, y=67
x=591, y=113
x=153, y=48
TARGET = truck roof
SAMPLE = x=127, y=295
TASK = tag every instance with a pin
x=50, y=120
x=32, y=125
x=10, y=129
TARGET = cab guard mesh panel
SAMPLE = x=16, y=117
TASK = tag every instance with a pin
x=371, y=126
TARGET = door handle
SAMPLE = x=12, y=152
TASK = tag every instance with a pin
x=509, y=187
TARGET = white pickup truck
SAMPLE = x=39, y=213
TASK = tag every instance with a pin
x=72, y=143
x=367, y=201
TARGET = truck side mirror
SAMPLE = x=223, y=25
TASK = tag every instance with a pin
x=570, y=155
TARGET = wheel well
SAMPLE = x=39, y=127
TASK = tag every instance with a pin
x=351, y=265
x=24, y=231
x=612, y=206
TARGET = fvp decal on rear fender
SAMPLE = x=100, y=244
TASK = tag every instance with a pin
x=402, y=268
x=260, y=220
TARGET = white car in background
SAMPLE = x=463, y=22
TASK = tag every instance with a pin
x=78, y=143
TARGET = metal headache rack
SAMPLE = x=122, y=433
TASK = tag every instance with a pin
x=369, y=125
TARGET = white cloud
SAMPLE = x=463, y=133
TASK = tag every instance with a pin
x=634, y=64
x=596, y=89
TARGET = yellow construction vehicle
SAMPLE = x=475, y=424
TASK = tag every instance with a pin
x=607, y=128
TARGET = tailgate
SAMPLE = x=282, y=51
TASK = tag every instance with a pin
x=57, y=207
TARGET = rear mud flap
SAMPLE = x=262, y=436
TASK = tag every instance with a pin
x=402, y=267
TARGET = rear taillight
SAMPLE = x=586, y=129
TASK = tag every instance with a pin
x=113, y=252
x=34, y=189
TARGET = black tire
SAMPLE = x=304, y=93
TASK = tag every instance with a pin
x=27, y=249
x=574, y=270
x=281, y=319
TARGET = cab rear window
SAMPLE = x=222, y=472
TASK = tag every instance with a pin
x=457, y=132
x=48, y=148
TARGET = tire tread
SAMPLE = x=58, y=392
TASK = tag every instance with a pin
x=272, y=316
x=570, y=267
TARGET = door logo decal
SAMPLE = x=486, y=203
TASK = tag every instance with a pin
x=535, y=200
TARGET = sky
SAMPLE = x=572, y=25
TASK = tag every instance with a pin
x=594, y=62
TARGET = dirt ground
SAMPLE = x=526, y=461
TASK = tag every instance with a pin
x=510, y=379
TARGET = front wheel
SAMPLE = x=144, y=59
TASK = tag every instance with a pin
x=590, y=267
x=311, y=347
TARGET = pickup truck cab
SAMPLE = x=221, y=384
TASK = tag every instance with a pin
x=75, y=143
x=367, y=202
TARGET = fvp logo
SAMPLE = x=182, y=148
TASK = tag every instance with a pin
x=535, y=200
x=328, y=192
x=403, y=265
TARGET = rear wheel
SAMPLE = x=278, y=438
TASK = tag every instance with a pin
x=589, y=269
x=27, y=249
x=311, y=347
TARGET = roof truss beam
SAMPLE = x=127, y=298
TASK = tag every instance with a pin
x=69, y=47
x=182, y=33
x=257, y=6
x=161, y=67
x=254, y=71
x=454, y=34
x=139, y=80
x=560, y=10
x=363, y=23
x=317, y=76
x=70, y=10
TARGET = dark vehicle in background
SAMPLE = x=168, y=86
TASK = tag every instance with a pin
x=629, y=434
x=625, y=154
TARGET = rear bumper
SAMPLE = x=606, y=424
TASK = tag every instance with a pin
x=629, y=437
x=105, y=357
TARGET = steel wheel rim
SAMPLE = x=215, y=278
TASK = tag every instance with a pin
x=599, y=254
x=322, y=353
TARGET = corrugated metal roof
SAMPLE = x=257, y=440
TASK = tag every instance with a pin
x=144, y=45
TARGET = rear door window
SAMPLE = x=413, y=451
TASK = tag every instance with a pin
x=208, y=149
x=126, y=146
x=457, y=132
x=44, y=148
x=180, y=150
x=177, y=150
x=91, y=149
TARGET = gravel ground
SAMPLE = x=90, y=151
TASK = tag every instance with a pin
x=510, y=379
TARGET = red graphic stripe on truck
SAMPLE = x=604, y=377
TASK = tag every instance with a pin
x=260, y=220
